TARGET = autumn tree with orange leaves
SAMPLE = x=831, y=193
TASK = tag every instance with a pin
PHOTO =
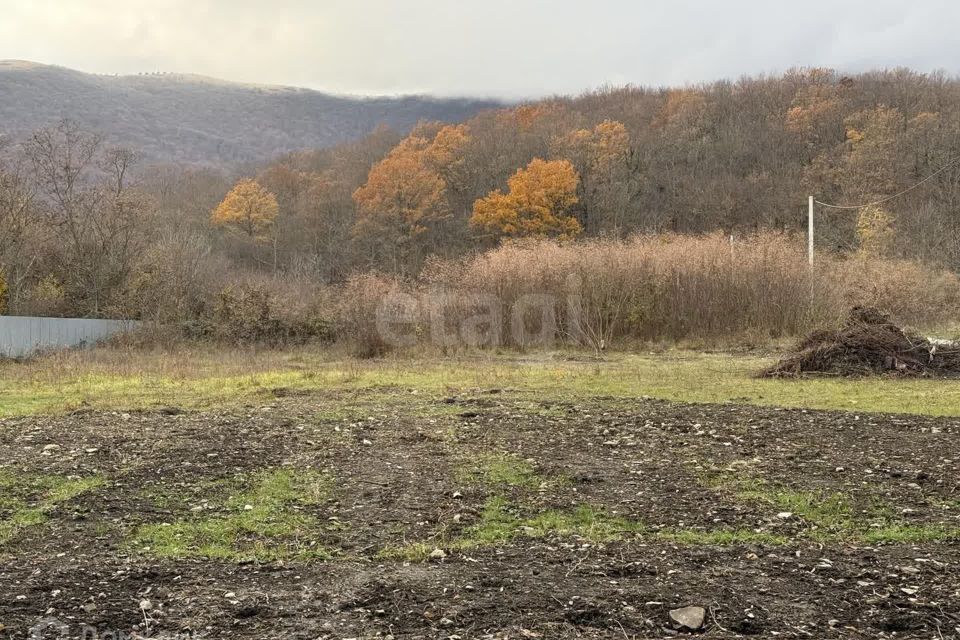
x=536, y=204
x=405, y=196
x=249, y=209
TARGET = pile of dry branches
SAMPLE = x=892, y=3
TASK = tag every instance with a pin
x=868, y=343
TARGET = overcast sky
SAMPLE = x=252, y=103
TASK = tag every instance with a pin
x=505, y=48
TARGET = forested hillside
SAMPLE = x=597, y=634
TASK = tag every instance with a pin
x=732, y=156
x=192, y=119
x=87, y=231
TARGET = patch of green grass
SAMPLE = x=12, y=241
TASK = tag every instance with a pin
x=584, y=521
x=263, y=524
x=413, y=552
x=27, y=500
x=499, y=471
x=721, y=537
x=105, y=379
x=830, y=517
x=909, y=534
x=826, y=513
x=501, y=522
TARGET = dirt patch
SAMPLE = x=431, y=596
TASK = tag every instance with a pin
x=612, y=513
x=869, y=343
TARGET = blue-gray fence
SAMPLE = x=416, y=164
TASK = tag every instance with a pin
x=22, y=335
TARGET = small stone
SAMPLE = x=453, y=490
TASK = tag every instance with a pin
x=248, y=507
x=785, y=515
x=690, y=618
x=52, y=447
x=438, y=554
x=230, y=594
x=146, y=605
x=446, y=622
x=366, y=443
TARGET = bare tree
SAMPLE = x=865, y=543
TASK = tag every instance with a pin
x=16, y=201
x=86, y=200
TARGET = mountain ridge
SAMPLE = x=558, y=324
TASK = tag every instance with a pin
x=192, y=119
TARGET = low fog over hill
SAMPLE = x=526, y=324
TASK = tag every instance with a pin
x=193, y=119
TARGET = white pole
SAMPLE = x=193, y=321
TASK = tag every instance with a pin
x=810, y=230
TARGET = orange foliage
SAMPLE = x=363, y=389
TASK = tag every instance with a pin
x=248, y=208
x=446, y=146
x=406, y=191
x=401, y=194
x=535, y=205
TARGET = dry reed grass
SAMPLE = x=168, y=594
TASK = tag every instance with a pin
x=654, y=288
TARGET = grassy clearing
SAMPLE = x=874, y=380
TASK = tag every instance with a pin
x=263, y=523
x=118, y=379
x=28, y=500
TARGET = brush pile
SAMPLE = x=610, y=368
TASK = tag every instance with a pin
x=869, y=344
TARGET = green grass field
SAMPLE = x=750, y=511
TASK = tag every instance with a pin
x=120, y=379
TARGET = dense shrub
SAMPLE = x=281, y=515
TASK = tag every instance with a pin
x=251, y=313
x=367, y=302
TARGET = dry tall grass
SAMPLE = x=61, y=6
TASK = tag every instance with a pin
x=660, y=288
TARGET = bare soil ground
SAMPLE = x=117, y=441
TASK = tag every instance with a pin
x=489, y=514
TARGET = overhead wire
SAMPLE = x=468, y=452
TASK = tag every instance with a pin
x=953, y=162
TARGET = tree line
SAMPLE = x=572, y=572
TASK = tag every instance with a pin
x=86, y=230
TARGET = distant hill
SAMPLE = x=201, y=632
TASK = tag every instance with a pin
x=193, y=119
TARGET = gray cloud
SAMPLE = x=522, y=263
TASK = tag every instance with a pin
x=505, y=48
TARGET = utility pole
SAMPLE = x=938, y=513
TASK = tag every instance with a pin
x=810, y=231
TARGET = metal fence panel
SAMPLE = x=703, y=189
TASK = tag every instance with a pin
x=22, y=335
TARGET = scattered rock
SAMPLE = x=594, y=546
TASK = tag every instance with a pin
x=689, y=618
x=438, y=554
